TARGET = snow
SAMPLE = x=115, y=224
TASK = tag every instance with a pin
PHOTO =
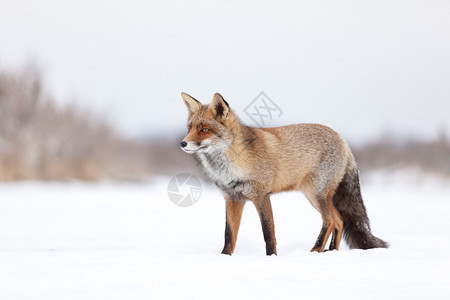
x=129, y=241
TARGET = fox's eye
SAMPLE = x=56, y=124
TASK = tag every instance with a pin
x=204, y=130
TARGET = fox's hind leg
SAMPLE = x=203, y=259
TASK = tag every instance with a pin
x=331, y=222
x=233, y=220
x=327, y=227
x=338, y=229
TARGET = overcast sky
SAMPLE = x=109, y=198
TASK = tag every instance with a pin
x=365, y=68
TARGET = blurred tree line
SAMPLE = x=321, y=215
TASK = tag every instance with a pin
x=388, y=153
x=40, y=140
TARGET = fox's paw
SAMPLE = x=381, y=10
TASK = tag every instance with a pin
x=316, y=249
x=227, y=251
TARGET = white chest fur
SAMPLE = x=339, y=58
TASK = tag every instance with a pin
x=219, y=168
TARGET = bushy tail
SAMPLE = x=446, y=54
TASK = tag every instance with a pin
x=348, y=201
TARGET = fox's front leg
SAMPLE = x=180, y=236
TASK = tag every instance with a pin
x=264, y=209
x=233, y=220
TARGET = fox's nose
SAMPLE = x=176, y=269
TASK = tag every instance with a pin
x=183, y=144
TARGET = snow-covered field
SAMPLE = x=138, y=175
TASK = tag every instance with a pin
x=117, y=241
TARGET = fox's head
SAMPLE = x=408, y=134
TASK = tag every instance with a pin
x=209, y=126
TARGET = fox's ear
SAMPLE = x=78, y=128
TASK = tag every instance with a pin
x=192, y=104
x=219, y=107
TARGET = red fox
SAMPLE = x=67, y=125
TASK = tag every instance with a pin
x=249, y=163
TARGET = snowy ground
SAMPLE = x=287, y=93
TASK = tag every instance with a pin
x=110, y=241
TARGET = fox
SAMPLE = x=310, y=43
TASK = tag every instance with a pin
x=250, y=164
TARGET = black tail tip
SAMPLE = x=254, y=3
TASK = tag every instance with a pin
x=373, y=243
x=363, y=240
x=381, y=243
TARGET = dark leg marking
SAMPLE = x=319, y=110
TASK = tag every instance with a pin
x=333, y=240
x=268, y=235
x=320, y=239
x=228, y=237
